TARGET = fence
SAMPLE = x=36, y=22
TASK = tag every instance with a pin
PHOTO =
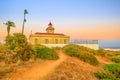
x=84, y=41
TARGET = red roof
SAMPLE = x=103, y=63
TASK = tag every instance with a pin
x=50, y=33
x=50, y=24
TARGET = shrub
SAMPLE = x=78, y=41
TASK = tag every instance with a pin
x=117, y=53
x=46, y=53
x=17, y=40
x=88, y=50
x=112, y=67
x=7, y=57
x=24, y=53
x=100, y=52
x=75, y=50
x=18, y=44
x=72, y=50
x=110, y=72
x=89, y=58
x=104, y=75
x=3, y=48
x=117, y=60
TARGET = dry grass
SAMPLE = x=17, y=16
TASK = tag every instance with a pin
x=73, y=69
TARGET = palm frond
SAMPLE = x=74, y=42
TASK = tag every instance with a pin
x=10, y=23
x=25, y=11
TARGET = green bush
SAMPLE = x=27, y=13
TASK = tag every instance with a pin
x=24, y=53
x=100, y=52
x=75, y=50
x=17, y=40
x=19, y=45
x=72, y=50
x=86, y=49
x=104, y=75
x=110, y=72
x=46, y=53
x=117, y=60
x=89, y=58
x=112, y=67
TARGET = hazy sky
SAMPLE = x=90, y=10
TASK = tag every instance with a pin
x=80, y=19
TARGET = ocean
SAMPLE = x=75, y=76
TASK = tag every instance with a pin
x=112, y=48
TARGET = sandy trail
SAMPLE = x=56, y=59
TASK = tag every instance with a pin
x=38, y=71
x=103, y=60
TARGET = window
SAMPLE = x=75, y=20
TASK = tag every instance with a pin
x=65, y=41
x=36, y=41
x=56, y=41
x=46, y=41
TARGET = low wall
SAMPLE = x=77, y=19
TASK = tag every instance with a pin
x=92, y=46
x=54, y=45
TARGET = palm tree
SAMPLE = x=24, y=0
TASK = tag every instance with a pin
x=9, y=25
x=25, y=12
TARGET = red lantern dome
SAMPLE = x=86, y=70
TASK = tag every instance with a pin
x=50, y=24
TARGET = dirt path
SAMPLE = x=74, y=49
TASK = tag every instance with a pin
x=38, y=71
x=103, y=60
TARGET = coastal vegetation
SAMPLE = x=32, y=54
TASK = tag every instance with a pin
x=109, y=72
x=17, y=50
x=46, y=53
x=17, y=47
x=116, y=60
x=82, y=53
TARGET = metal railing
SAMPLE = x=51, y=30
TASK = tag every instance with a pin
x=84, y=41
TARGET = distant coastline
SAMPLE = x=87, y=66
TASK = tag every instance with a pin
x=112, y=48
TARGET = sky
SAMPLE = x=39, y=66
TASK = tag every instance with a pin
x=80, y=19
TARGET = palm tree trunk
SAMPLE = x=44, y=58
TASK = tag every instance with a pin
x=23, y=25
x=8, y=30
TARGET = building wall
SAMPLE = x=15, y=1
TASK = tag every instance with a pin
x=54, y=45
x=46, y=39
x=92, y=46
